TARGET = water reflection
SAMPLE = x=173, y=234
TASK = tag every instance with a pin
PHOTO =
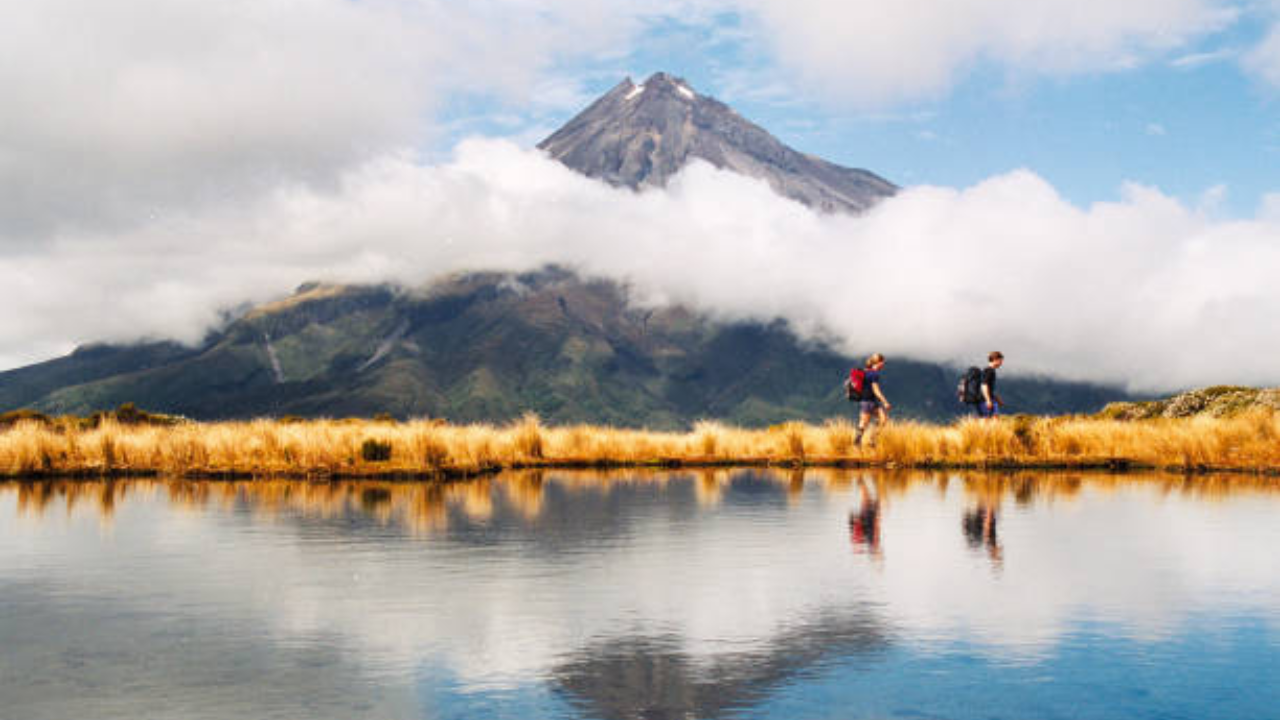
x=713, y=593
x=980, y=525
x=427, y=508
x=656, y=677
x=864, y=524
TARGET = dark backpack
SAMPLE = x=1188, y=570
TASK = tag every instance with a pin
x=856, y=385
x=969, y=389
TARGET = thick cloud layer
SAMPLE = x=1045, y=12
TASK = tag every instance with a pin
x=1142, y=290
x=115, y=112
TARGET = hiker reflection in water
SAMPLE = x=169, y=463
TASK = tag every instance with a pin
x=980, y=530
x=864, y=524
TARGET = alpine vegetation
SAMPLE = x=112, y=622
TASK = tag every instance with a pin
x=52, y=447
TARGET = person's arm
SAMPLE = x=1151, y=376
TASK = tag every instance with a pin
x=875, y=388
x=986, y=393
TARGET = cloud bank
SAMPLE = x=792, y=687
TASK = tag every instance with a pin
x=162, y=161
x=114, y=112
x=1142, y=290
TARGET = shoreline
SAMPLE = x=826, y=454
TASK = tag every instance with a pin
x=1112, y=466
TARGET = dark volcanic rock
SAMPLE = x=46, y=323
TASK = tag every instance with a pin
x=641, y=135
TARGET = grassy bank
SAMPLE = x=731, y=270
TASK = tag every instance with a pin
x=370, y=448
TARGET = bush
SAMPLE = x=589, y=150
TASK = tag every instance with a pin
x=13, y=417
x=375, y=450
x=129, y=414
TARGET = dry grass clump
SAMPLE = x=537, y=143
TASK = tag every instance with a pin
x=44, y=446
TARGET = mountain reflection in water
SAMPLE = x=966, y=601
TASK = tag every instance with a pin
x=715, y=594
x=654, y=677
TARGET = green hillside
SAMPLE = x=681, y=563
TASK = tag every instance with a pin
x=490, y=347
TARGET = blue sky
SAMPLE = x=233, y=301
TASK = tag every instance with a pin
x=1188, y=120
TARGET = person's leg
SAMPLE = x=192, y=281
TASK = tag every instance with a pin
x=881, y=418
x=864, y=417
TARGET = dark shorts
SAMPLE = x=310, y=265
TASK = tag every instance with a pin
x=981, y=410
x=869, y=406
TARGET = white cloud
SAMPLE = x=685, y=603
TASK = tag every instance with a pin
x=874, y=53
x=117, y=111
x=1269, y=208
x=1142, y=290
x=1264, y=60
x=1192, y=61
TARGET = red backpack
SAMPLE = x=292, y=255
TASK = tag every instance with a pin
x=854, y=386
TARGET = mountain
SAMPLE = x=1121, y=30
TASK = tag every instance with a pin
x=489, y=347
x=641, y=135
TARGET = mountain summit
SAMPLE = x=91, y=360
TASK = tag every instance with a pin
x=640, y=135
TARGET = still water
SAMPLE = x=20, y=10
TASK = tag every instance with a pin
x=725, y=594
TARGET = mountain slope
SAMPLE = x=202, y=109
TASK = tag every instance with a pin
x=641, y=135
x=489, y=347
x=89, y=363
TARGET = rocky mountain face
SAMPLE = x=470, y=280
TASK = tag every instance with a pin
x=489, y=347
x=641, y=135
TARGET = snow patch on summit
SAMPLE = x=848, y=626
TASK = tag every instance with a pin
x=685, y=91
x=634, y=92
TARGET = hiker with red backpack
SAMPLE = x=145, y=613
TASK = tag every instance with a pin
x=863, y=386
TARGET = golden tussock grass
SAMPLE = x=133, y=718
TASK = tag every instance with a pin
x=336, y=448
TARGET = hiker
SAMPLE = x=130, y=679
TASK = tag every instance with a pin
x=977, y=387
x=990, y=403
x=872, y=400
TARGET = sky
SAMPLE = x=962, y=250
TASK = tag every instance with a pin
x=1086, y=185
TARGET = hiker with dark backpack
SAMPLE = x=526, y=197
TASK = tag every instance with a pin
x=978, y=387
x=863, y=386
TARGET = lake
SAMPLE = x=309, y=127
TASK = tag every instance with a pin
x=697, y=594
